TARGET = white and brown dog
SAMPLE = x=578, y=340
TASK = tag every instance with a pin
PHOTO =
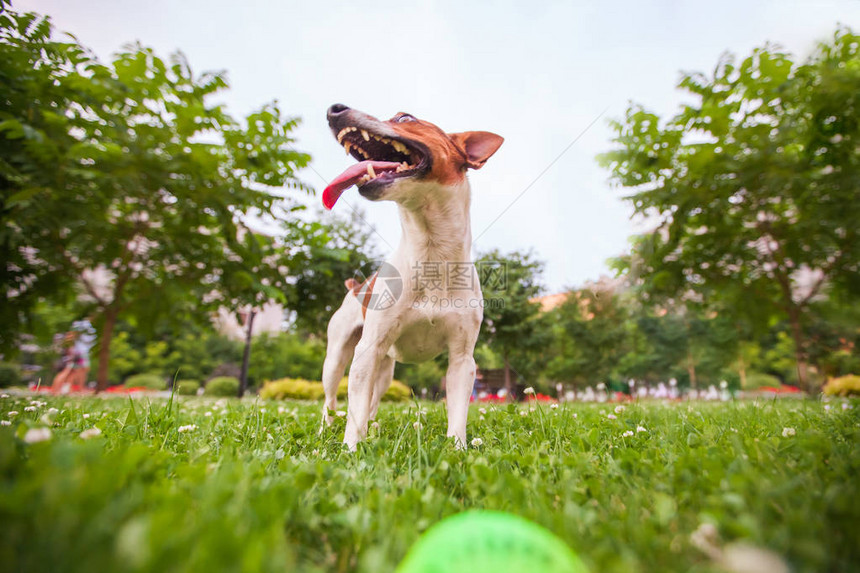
x=426, y=298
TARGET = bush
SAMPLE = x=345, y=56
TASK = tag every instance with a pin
x=294, y=388
x=148, y=381
x=756, y=380
x=222, y=386
x=299, y=389
x=843, y=386
x=187, y=387
x=9, y=375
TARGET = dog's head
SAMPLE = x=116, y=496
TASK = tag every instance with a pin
x=393, y=155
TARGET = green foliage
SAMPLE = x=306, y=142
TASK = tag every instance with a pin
x=222, y=386
x=843, y=386
x=10, y=375
x=756, y=380
x=286, y=355
x=322, y=257
x=590, y=338
x=294, y=388
x=254, y=490
x=187, y=387
x=513, y=326
x=132, y=167
x=397, y=392
x=298, y=389
x=425, y=374
x=751, y=182
x=150, y=381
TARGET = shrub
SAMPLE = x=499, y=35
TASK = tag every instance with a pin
x=222, y=386
x=756, y=380
x=187, y=387
x=843, y=386
x=299, y=389
x=295, y=388
x=9, y=375
x=148, y=381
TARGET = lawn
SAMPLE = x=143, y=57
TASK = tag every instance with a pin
x=205, y=485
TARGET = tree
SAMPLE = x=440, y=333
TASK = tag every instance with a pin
x=753, y=185
x=126, y=179
x=512, y=323
x=321, y=257
x=591, y=335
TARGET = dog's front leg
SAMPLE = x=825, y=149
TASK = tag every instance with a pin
x=367, y=364
x=458, y=383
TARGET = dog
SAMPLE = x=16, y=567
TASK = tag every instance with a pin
x=426, y=298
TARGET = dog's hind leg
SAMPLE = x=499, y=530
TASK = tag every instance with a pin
x=383, y=381
x=344, y=332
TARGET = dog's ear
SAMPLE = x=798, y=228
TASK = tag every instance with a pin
x=351, y=284
x=477, y=145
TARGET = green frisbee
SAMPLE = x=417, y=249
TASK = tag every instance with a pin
x=489, y=542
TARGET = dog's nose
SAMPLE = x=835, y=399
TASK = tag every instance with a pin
x=336, y=110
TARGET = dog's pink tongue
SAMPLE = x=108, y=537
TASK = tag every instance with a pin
x=350, y=177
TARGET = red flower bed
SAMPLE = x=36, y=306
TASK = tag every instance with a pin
x=784, y=389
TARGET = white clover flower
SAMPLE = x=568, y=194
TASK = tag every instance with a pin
x=223, y=412
x=619, y=409
x=12, y=413
x=611, y=417
x=477, y=442
x=188, y=428
x=788, y=432
x=4, y=396
x=340, y=413
x=627, y=434
x=85, y=416
x=262, y=410
x=5, y=423
x=90, y=433
x=52, y=411
x=827, y=406
x=846, y=406
x=207, y=414
x=640, y=429
x=531, y=408
x=575, y=415
x=481, y=417
x=529, y=390
x=724, y=384
x=416, y=425
x=35, y=435
x=482, y=410
x=281, y=409
x=29, y=408
x=601, y=386
x=523, y=413
x=374, y=425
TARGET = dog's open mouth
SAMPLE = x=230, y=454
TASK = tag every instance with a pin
x=382, y=160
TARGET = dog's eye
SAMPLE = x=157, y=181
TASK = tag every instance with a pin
x=403, y=118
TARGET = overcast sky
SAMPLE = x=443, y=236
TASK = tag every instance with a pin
x=537, y=74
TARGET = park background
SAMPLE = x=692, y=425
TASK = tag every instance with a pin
x=169, y=205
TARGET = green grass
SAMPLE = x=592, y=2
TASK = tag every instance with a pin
x=253, y=487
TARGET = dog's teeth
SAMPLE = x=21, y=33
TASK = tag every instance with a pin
x=398, y=146
x=347, y=146
x=342, y=133
x=365, y=135
x=370, y=172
